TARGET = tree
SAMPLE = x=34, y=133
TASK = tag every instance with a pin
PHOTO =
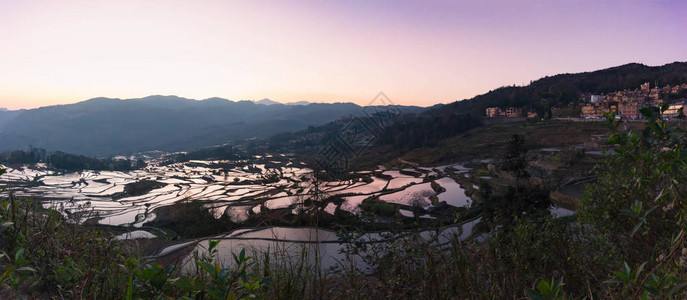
x=515, y=158
x=520, y=200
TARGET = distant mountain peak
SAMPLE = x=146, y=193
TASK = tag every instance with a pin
x=101, y=99
x=266, y=101
x=216, y=100
x=298, y=103
x=163, y=97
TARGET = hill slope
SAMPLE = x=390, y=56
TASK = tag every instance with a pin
x=436, y=128
x=105, y=126
x=560, y=90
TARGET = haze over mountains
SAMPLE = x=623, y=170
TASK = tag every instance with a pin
x=106, y=126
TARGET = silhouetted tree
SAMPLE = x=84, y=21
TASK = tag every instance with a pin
x=515, y=158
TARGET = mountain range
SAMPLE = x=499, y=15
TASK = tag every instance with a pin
x=107, y=126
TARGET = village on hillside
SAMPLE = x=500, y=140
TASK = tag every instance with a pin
x=625, y=103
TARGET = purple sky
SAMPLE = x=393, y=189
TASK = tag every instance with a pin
x=417, y=52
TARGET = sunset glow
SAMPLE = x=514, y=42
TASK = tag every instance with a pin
x=417, y=52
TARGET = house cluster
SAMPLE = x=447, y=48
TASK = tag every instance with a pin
x=627, y=103
x=510, y=112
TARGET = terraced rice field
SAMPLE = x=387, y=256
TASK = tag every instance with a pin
x=236, y=192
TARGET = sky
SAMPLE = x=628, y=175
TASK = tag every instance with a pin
x=416, y=52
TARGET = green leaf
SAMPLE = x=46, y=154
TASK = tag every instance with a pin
x=544, y=287
x=212, y=244
x=644, y=296
x=627, y=212
x=130, y=288
x=9, y=271
x=183, y=283
x=207, y=267
x=639, y=271
x=148, y=273
x=620, y=276
x=19, y=256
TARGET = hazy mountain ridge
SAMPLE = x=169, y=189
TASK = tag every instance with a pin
x=108, y=126
x=7, y=116
x=267, y=101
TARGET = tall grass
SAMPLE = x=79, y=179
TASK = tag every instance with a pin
x=66, y=259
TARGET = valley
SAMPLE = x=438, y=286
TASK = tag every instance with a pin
x=275, y=199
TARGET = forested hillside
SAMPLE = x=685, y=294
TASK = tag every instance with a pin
x=563, y=89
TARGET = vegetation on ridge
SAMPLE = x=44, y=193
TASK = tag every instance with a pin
x=561, y=90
